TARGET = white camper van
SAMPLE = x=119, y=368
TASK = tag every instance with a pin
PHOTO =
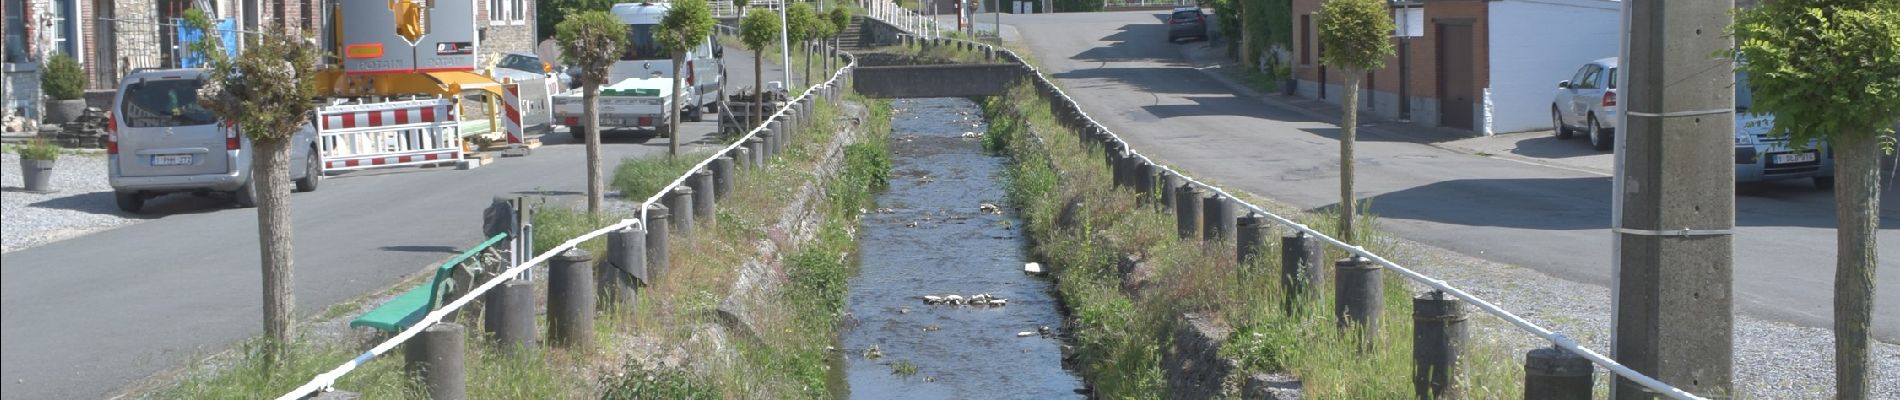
x=636, y=93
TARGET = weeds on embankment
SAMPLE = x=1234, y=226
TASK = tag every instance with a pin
x=671, y=323
x=1120, y=332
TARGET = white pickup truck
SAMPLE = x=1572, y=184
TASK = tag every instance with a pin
x=637, y=95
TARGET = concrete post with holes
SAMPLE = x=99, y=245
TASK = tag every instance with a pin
x=571, y=299
x=1300, y=273
x=1552, y=373
x=657, y=235
x=705, y=206
x=618, y=276
x=1187, y=211
x=1250, y=239
x=1358, y=291
x=680, y=202
x=1438, y=340
x=1217, y=221
x=508, y=315
x=434, y=359
x=722, y=176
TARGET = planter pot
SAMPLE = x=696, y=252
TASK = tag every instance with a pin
x=60, y=112
x=38, y=174
x=1290, y=87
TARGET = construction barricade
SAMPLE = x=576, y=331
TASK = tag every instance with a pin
x=411, y=132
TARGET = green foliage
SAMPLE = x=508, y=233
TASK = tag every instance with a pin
x=686, y=24
x=639, y=178
x=1078, y=5
x=662, y=383
x=555, y=224
x=802, y=23
x=1354, y=33
x=38, y=149
x=269, y=89
x=758, y=31
x=840, y=20
x=64, y=79
x=591, y=41
x=1824, y=69
x=549, y=13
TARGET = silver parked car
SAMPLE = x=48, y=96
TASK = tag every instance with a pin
x=1587, y=102
x=1187, y=22
x=162, y=141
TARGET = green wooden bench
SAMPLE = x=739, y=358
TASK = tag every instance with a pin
x=404, y=310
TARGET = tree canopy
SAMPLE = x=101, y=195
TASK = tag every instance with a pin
x=1824, y=67
x=686, y=24
x=803, y=23
x=268, y=90
x=549, y=13
x=759, y=31
x=1355, y=33
x=591, y=41
x=840, y=20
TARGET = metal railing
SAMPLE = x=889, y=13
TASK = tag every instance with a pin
x=909, y=20
x=1556, y=339
x=326, y=380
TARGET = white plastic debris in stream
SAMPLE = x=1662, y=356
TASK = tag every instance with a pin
x=1034, y=269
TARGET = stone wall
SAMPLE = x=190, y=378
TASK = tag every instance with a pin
x=505, y=36
x=22, y=97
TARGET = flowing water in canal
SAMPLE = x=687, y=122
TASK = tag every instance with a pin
x=931, y=236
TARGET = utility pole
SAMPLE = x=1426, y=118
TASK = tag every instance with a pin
x=1675, y=199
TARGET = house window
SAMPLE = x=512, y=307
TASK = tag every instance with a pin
x=507, y=12
x=1306, y=39
x=15, y=31
x=64, y=25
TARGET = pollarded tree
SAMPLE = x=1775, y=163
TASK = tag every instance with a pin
x=269, y=92
x=1830, y=70
x=1353, y=34
x=840, y=23
x=759, y=31
x=685, y=25
x=802, y=25
x=591, y=41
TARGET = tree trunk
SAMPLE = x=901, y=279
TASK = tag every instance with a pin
x=808, y=57
x=270, y=176
x=679, y=107
x=1348, y=132
x=1857, y=207
x=758, y=87
x=590, y=102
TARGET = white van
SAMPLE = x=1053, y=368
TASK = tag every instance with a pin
x=643, y=77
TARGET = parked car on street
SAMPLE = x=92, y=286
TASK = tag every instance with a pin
x=160, y=140
x=1587, y=102
x=523, y=66
x=1187, y=22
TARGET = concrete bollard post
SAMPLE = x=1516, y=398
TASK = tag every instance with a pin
x=722, y=176
x=1250, y=238
x=1169, y=181
x=618, y=275
x=1358, y=291
x=1110, y=151
x=1300, y=273
x=705, y=206
x=1118, y=168
x=1144, y=182
x=680, y=202
x=1438, y=339
x=508, y=315
x=1217, y=221
x=741, y=157
x=755, y=152
x=434, y=359
x=657, y=235
x=1187, y=211
x=571, y=299
x=1552, y=373
x=778, y=137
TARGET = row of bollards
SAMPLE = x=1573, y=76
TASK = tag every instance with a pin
x=579, y=288
x=1439, y=330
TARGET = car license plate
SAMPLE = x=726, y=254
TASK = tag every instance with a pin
x=1796, y=157
x=171, y=159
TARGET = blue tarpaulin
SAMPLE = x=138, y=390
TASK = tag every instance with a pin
x=227, y=33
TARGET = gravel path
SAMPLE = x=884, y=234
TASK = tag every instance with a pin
x=81, y=202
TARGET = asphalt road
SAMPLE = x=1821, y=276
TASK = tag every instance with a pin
x=1547, y=218
x=88, y=316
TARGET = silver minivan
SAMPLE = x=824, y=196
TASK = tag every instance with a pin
x=162, y=141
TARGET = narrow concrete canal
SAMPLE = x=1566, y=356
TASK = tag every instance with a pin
x=934, y=236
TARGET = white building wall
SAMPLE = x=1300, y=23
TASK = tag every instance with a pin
x=1534, y=44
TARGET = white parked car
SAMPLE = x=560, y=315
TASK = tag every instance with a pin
x=1587, y=103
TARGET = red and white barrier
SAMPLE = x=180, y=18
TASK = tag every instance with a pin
x=413, y=132
x=511, y=113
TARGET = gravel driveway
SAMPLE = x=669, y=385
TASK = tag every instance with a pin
x=81, y=202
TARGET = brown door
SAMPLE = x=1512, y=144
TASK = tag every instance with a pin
x=1457, y=94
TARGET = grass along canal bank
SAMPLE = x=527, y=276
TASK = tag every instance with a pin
x=747, y=309
x=1155, y=316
